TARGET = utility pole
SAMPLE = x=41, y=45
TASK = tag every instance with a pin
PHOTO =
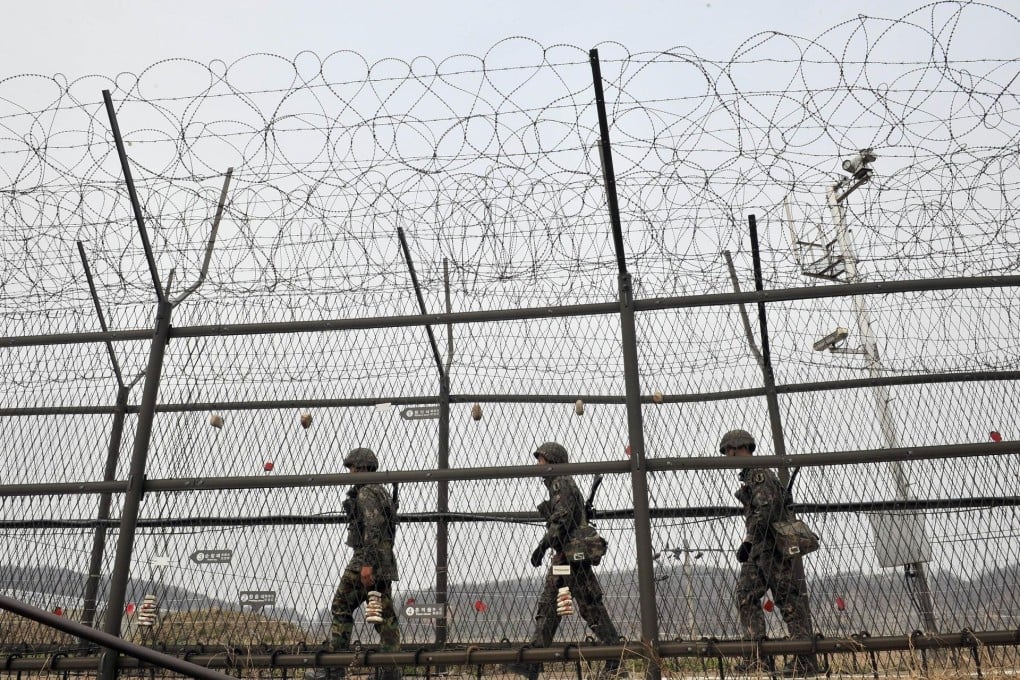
x=836, y=194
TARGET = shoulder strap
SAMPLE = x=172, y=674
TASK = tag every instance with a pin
x=789, y=487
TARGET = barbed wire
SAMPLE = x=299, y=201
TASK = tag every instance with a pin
x=490, y=162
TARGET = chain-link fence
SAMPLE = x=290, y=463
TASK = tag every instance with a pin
x=420, y=258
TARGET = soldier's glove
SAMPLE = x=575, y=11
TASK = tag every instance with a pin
x=744, y=552
x=538, y=555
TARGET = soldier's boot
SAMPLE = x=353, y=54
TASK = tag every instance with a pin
x=801, y=667
x=525, y=670
x=331, y=673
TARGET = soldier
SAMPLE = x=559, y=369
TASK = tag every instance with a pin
x=762, y=567
x=371, y=526
x=563, y=513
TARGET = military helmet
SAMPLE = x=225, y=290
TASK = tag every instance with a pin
x=363, y=459
x=552, y=452
x=736, y=439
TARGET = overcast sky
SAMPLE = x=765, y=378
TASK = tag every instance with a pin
x=106, y=36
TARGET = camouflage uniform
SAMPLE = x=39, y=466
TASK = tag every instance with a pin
x=370, y=532
x=764, y=501
x=371, y=527
x=566, y=509
x=563, y=513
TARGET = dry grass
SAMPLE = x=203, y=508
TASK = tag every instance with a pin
x=208, y=627
x=221, y=627
x=14, y=628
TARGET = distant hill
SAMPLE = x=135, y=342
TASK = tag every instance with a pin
x=67, y=584
x=39, y=586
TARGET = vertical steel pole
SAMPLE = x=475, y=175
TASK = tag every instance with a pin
x=136, y=485
x=443, y=487
x=443, y=453
x=768, y=375
x=775, y=417
x=692, y=626
x=442, y=508
x=136, y=206
x=147, y=411
x=88, y=615
x=632, y=382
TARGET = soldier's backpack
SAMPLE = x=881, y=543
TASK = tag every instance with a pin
x=585, y=546
x=793, y=537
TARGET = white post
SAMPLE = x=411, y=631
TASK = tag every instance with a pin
x=869, y=344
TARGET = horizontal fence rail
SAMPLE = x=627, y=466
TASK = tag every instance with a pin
x=651, y=304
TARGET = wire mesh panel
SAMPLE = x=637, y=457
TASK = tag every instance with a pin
x=206, y=481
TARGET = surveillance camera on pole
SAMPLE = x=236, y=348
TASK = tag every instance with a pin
x=833, y=343
x=830, y=341
x=859, y=168
x=858, y=164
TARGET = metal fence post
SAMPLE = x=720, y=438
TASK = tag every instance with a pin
x=443, y=447
x=136, y=485
x=146, y=414
x=443, y=486
x=88, y=615
x=442, y=508
x=768, y=375
x=632, y=382
x=775, y=416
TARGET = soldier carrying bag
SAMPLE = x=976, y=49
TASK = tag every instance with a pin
x=793, y=537
x=585, y=546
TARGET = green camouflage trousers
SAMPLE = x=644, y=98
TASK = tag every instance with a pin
x=350, y=595
x=587, y=593
x=770, y=572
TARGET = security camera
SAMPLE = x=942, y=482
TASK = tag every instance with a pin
x=857, y=165
x=830, y=341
